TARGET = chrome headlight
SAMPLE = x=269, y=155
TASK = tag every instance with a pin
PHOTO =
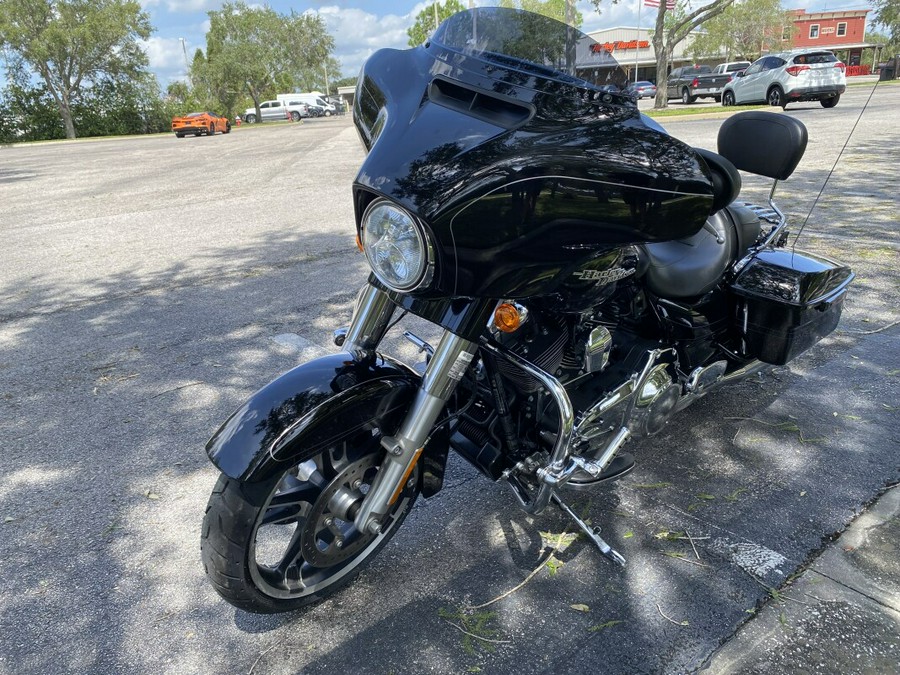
x=396, y=247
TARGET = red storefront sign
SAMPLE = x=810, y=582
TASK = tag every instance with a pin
x=620, y=45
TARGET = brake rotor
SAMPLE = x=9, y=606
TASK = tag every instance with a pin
x=326, y=539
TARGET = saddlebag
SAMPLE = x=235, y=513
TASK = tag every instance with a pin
x=786, y=301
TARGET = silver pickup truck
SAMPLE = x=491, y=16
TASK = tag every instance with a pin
x=692, y=82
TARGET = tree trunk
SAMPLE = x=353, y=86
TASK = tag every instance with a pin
x=255, y=96
x=662, y=59
x=66, y=115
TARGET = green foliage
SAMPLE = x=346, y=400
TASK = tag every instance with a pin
x=555, y=9
x=257, y=51
x=74, y=44
x=672, y=27
x=478, y=628
x=887, y=14
x=744, y=31
x=425, y=20
x=109, y=107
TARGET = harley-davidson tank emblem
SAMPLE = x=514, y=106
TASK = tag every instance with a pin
x=606, y=276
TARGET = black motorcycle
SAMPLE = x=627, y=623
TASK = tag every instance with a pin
x=592, y=276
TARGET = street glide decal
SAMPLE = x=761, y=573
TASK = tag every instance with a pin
x=606, y=276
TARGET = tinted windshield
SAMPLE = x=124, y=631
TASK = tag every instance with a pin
x=531, y=43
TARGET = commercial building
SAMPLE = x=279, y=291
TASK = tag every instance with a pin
x=836, y=31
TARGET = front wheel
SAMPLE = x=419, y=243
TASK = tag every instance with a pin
x=250, y=119
x=728, y=98
x=290, y=541
x=830, y=102
x=295, y=116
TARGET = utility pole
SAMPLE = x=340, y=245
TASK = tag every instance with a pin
x=435, y=5
x=184, y=51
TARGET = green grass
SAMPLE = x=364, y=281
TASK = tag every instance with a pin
x=705, y=110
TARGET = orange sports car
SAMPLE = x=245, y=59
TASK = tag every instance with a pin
x=198, y=123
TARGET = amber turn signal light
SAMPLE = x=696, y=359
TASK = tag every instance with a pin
x=507, y=318
x=359, y=243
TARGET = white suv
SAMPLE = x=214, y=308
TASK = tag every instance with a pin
x=779, y=79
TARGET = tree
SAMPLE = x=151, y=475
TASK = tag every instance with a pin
x=671, y=28
x=744, y=31
x=555, y=9
x=430, y=18
x=887, y=13
x=257, y=50
x=72, y=44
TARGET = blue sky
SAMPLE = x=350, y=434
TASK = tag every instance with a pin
x=361, y=26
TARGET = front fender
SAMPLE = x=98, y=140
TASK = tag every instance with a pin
x=308, y=408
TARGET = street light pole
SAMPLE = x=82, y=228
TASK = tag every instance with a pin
x=184, y=51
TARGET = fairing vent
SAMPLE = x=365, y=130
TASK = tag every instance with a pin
x=488, y=107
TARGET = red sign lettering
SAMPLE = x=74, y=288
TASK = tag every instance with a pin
x=610, y=47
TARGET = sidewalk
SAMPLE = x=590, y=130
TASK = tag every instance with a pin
x=841, y=615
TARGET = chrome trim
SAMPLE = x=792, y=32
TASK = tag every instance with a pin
x=596, y=350
x=370, y=321
x=593, y=533
x=702, y=378
x=419, y=342
x=593, y=416
x=560, y=453
x=782, y=220
x=451, y=359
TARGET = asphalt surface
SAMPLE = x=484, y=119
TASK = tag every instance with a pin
x=147, y=286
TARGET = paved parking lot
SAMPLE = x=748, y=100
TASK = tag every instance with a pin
x=147, y=286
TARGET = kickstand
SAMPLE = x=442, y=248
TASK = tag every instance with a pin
x=593, y=533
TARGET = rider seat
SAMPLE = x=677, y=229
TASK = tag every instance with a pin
x=760, y=142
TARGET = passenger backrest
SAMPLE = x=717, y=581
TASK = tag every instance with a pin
x=764, y=143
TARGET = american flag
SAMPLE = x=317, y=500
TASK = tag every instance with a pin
x=670, y=4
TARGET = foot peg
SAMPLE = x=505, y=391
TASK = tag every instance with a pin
x=593, y=533
x=621, y=465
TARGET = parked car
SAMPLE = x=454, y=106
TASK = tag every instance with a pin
x=731, y=67
x=779, y=79
x=692, y=82
x=311, y=100
x=296, y=109
x=641, y=89
x=200, y=123
x=270, y=110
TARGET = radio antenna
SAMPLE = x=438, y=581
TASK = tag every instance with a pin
x=834, y=166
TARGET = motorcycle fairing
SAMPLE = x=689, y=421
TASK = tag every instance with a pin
x=539, y=172
x=315, y=405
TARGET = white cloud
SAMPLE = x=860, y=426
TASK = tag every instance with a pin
x=182, y=6
x=357, y=33
x=165, y=54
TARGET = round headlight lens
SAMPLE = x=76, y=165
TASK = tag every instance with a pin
x=395, y=246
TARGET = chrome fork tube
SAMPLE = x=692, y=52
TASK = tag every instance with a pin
x=370, y=321
x=445, y=369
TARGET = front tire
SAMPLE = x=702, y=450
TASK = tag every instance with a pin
x=250, y=119
x=830, y=102
x=295, y=116
x=289, y=541
x=728, y=98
